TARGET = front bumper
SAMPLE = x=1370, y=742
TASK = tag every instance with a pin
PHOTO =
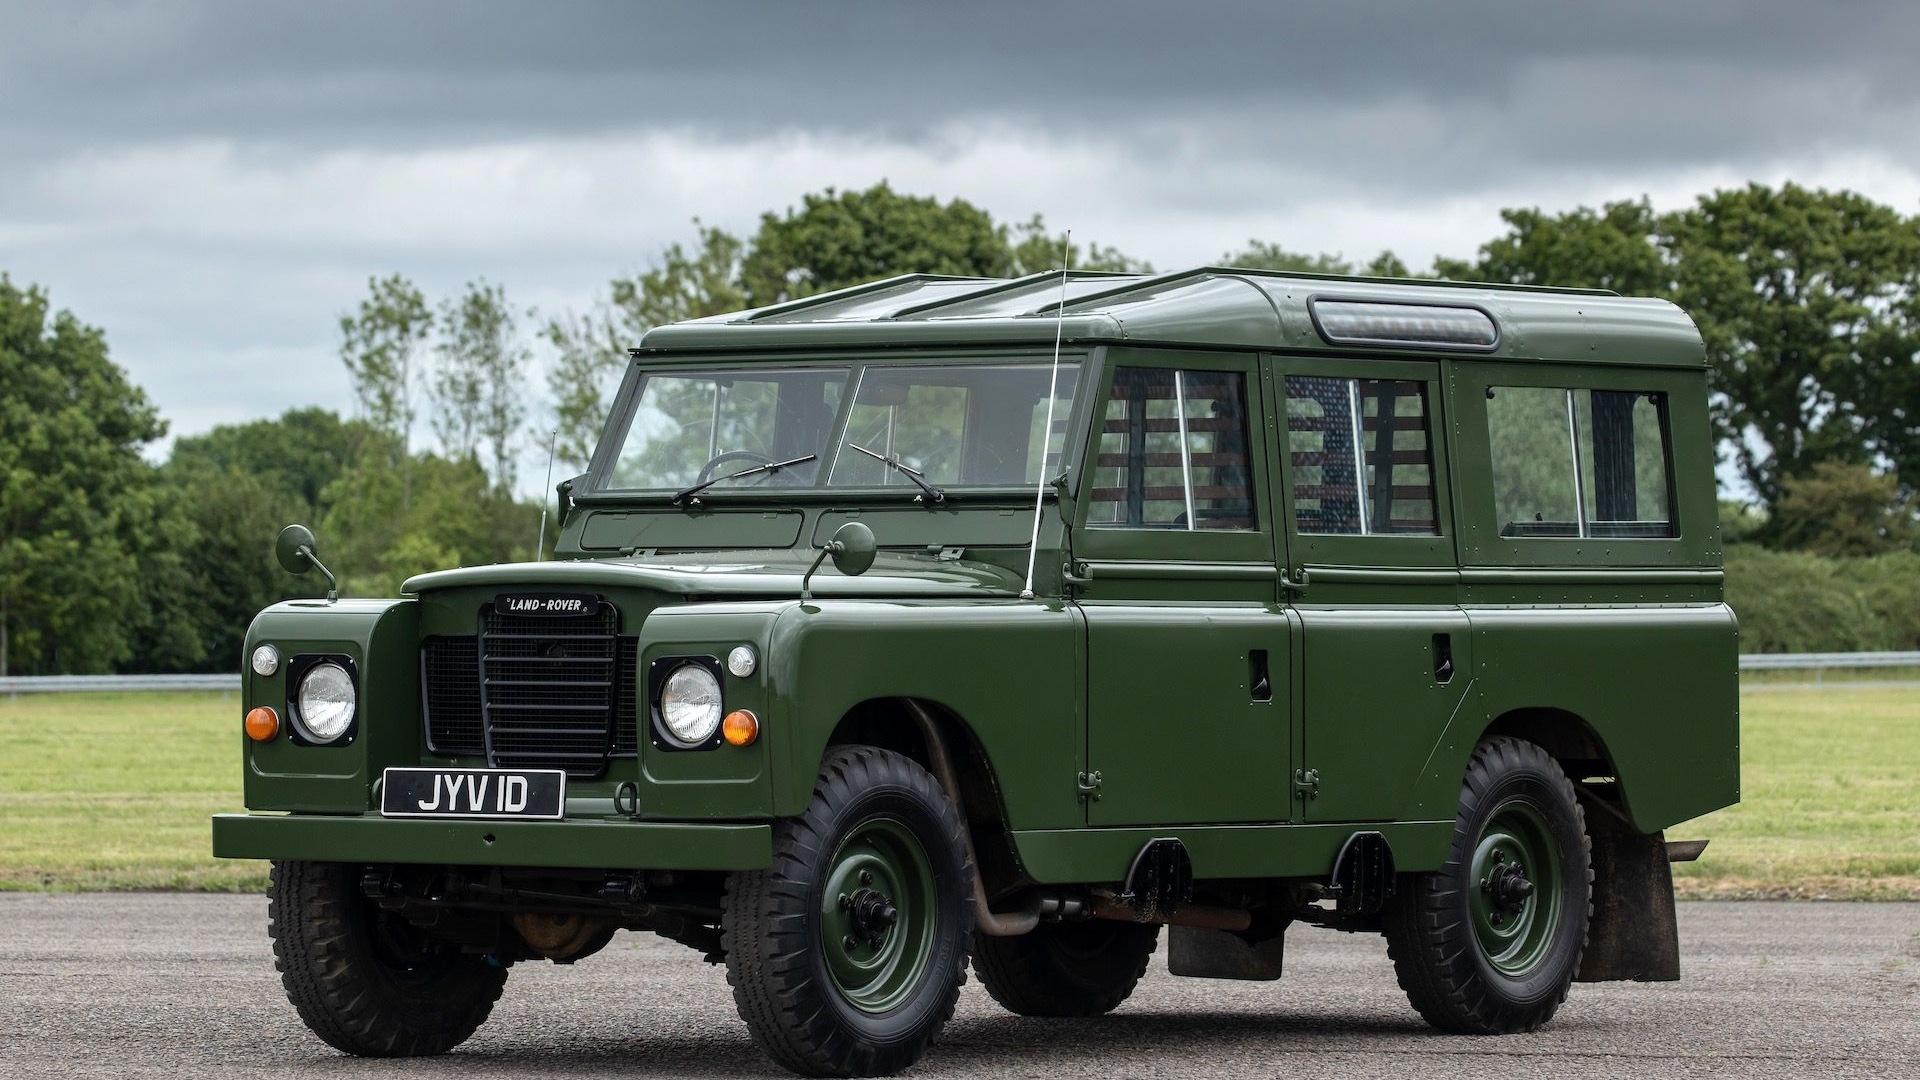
x=598, y=845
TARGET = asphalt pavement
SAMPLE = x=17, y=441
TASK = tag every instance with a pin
x=158, y=985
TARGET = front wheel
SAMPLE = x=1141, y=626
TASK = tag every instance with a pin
x=1489, y=943
x=363, y=979
x=846, y=955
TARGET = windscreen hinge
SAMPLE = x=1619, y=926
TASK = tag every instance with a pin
x=951, y=554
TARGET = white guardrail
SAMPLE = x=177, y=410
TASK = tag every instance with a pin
x=15, y=685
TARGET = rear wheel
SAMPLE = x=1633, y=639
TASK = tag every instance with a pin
x=846, y=955
x=1490, y=942
x=365, y=980
x=1066, y=969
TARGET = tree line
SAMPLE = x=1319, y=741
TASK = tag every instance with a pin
x=1808, y=301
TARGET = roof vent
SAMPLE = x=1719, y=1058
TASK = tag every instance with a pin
x=1431, y=326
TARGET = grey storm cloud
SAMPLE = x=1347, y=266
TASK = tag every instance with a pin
x=212, y=181
x=1523, y=83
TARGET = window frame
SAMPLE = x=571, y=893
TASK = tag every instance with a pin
x=1254, y=545
x=1363, y=550
x=1484, y=546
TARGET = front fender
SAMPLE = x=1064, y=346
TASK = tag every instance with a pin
x=380, y=637
x=1010, y=670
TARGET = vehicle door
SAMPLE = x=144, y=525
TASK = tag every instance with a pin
x=1373, y=574
x=1188, y=663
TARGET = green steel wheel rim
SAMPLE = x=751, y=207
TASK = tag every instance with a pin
x=877, y=915
x=1514, y=890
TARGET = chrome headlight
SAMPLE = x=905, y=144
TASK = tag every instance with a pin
x=690, y=704
x=326, y=700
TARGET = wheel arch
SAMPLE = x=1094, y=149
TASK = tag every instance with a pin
x=889, y=723
x=1583, y=754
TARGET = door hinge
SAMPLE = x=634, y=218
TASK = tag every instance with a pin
x=1089, y=784
x=1306, y=783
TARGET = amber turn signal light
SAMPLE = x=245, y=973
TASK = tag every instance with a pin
x=740, y=727
x=262, y=724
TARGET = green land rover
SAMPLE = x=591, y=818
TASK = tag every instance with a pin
x=949, y=620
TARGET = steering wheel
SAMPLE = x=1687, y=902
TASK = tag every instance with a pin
x=730, y=455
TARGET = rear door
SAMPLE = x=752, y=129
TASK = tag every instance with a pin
x=1369, y=530
x=1188, y=652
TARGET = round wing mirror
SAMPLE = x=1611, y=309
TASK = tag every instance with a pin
x=295, y=549
x=852, y=548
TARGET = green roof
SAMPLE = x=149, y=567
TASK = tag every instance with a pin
x=1211, y=307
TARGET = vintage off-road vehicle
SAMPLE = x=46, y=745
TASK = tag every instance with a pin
x=946, y=619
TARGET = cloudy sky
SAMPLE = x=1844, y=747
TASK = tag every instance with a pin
x=214, y=182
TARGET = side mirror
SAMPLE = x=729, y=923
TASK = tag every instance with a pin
x=852, y=549
x=295, y=548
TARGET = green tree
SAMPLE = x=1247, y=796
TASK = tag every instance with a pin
x=1032, y=249
x=235, y=486
x=1804, y=298
x=837, y=239
x=79, y=526
x=1806, y=301
x=478, y=396
x=380, y=344
x=1263, y=255
x=1617, y=247
x=1843, y=509
x=590, y=351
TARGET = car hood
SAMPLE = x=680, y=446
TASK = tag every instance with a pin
x=760, y=574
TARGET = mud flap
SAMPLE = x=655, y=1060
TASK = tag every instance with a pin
x=1224, y=954
x=1633, y=935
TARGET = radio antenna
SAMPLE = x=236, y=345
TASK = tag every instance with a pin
x=540, y=544
x=1046, y=433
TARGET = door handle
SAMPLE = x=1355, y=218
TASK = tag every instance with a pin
x=1443, y=658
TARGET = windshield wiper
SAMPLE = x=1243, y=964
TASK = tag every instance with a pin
x=771, y=466
x=928, y=491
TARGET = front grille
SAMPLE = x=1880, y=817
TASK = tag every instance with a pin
x=534, y=692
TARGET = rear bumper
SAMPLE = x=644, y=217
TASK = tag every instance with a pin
x=599, y=845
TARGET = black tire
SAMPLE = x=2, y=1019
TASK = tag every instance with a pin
x=361, y=978
x=1475, y=955
x=1066, y=969
x=791, y=984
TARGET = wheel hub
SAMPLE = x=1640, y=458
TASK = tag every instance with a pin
x=1507, y=887
x=870, y=913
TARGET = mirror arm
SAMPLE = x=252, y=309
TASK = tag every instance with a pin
x=831, y=547
x=333, y=586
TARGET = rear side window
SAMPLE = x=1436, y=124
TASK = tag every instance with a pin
x=1173, y=452
x=1362, y=456
x=1580, y=463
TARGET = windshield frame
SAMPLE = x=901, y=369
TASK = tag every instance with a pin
x=593, y=488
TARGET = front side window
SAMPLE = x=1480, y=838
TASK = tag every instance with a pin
x=1579, y=463
x=972, y=425
x=1173, y=452
x=1362, y=456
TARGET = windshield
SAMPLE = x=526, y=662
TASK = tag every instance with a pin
x=958, y=425
x=690, y=427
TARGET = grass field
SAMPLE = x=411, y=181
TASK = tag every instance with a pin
x=111, y=791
